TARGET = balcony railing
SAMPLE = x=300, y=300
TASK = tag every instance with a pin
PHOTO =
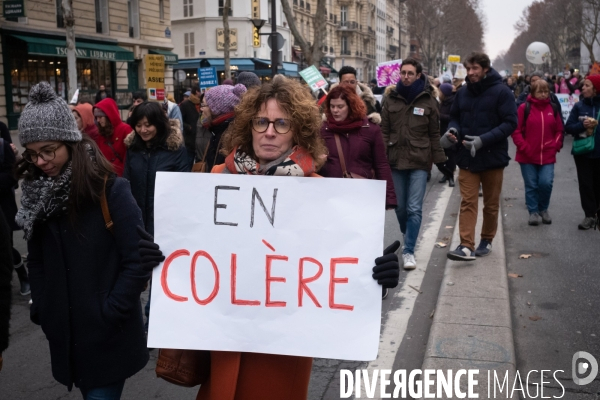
x=348, y=25
x=345, y=52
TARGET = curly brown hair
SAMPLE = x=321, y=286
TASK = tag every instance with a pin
x=356, y=107
x=296, y=101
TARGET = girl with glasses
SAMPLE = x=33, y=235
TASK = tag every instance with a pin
x=85, y=279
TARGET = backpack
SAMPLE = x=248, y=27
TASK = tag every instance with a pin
x=556, y=109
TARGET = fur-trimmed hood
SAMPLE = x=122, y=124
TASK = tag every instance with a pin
x=173, y=141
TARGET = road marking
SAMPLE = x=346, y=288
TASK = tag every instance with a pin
x=397, y=320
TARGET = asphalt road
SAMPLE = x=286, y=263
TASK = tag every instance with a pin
x=555, y=303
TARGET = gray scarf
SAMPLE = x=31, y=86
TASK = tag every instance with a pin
x=43, y=198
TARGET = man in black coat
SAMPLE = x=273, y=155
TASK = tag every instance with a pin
x=190, y=113
x=482, y=118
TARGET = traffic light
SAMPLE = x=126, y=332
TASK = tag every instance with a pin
x=444, y=67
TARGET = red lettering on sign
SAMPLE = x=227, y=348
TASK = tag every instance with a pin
x=268, y=245
x=268, y=302
x=234, y=300
x=303, y=282
x=215, y=290
x=165, y=271
x=333, y=281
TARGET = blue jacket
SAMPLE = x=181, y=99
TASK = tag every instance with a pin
x=85, y=286
x=142, y=164
x=589, y=108
x=486, y=109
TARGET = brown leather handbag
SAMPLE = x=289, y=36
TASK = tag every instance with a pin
x=345, y=172
x=187, y=368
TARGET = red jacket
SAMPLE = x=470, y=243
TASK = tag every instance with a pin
x=541, y=136
x=113, y=147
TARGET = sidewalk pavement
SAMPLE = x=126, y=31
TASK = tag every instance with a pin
x=472, y=326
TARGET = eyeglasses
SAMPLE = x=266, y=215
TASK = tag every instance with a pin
x=202, y=105
x=349, y=82
x=407, y=73
x=281, y=125
x=46, y=155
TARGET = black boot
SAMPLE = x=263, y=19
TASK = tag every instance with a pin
x=23, y=279
x=451, y=182
x=443, y=180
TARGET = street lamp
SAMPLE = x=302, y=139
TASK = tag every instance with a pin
x=258, y=23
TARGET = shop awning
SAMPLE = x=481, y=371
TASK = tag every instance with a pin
x=328, y=66
x=241, y=64
x=58, y=48
x=170, y=58
x=289, y=69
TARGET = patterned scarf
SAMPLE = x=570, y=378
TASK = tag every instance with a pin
x=296, y=162
x=42, y=199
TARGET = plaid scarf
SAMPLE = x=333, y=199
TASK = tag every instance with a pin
x=296, y=162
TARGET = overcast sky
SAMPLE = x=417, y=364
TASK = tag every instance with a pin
x=501, y=17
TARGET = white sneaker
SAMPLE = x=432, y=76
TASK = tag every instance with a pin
x=409, y=261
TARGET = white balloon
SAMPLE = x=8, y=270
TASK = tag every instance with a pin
x=538, y=53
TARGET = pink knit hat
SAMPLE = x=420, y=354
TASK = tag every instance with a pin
x=224, y=98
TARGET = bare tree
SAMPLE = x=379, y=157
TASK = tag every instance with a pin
x=313, y=52
x=67, y=7
x=590, y=28
x=226, y=39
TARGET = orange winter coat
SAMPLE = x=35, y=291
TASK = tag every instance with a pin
x=252, y=376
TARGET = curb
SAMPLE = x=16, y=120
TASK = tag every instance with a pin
x=472, y=327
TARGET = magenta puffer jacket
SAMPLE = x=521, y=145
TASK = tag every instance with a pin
x=540, y=137
x=364, y=153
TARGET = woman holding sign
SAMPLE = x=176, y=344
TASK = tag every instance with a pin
x=276, y=133
x=80, y=221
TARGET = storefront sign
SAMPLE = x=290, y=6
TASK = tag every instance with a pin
x=155, y=76
x=278, y=265
x=207, y=77
x=233, y=42
x=87, y=53
x=453, y=59
x=13, y=9
x=313, y=78
x=255, y=30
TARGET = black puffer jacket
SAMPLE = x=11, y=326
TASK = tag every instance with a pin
x=486, y=109
x=7, y=181
x=142, y=164
x=85, y=286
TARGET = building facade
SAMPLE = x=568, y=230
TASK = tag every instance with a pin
x=198, y=38
x=112, y=38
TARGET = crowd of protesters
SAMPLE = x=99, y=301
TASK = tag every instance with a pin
x=88, y=181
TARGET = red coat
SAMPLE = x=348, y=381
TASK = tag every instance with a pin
x=543, y=133
x=113, y=147
x=364, y=153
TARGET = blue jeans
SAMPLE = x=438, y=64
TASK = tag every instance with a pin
x=112, y=392
x=410, y=185
x=538, y=186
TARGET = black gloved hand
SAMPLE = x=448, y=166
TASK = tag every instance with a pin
x=150, y=253
x=445, y=170
x=387, y=270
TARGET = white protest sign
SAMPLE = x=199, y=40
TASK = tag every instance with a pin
x=567, y=102
x=278, y=265
x=461, y=72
